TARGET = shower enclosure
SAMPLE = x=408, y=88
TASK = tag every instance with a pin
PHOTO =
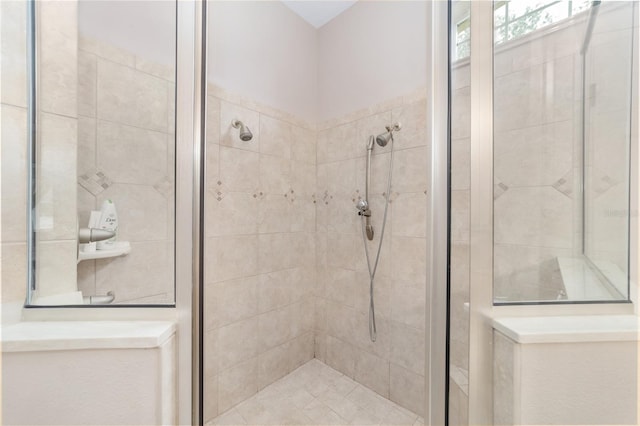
x=543, y=183
x=288, y=289
x=405, y=213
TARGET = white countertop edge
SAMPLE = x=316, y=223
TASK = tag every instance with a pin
x=32, y=336
x=570, y=329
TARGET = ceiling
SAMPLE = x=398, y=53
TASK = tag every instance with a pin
x=318, y=13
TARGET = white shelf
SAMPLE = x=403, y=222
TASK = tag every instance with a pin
x=31, y=336
x=123, y=248
x=569, y=329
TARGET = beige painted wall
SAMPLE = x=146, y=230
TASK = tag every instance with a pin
x=264, y=51
x=373, y=52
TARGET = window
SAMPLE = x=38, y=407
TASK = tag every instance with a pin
x=514, y=19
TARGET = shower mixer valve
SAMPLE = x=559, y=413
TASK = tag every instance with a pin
x=363, y=208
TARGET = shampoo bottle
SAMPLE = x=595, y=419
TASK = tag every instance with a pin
x=109, y=222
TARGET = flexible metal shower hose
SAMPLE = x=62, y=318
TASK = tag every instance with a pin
x=372, y=272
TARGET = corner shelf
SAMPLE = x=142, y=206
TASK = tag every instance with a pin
x=123, y=249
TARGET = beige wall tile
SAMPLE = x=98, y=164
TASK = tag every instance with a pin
x=58, y=58
x=239, y=170
x=212, y=173
x=536, y=216
x=302, y=349
x=213, y=120
x=210, y=398
x=275, y=327
x=235, y=214
x=87, y=277
x=341, y=286
x=408, y=301
x=274, y=364
x=382, y=291
x=303, y=214
x=56, y=272
x=13, y=47
x=409, y=217
x=409, y=258
x=534, y=156
x=407, y=347
x=410, y=170
x=339, y=143
x=275, y=290
x=134, y=204
x=14, y=171
x=303, y=145
x=274, y=213
x=407, y=389
x=87, y=83
x=130, y=97
x=275, y=252
x=56, y=191
x=237, y=342
x=341, y=356
x=303, y=179
x=373, y=372
x=237, y=384
x=14, y=272
x=87, y=131
x=231, y=301
x=231, y=257
x=275, y=137
x=130, y=154
x=275, y=174
x=146, y=271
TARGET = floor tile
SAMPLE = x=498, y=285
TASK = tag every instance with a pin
x=316, y=394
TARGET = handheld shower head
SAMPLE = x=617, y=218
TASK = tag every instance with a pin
x=384, y=138
x=245, y=133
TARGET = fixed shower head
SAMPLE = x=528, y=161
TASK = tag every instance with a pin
x=245, y=133
x=384, y=138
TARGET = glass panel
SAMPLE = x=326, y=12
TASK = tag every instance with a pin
x=607, y=91
x=460, y=112
x=103, y=211
x=552, y=241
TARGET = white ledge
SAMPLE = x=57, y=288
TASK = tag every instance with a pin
x=570, y=329
x=30, y=336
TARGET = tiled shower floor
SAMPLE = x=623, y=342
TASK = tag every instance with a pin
x=316, y=394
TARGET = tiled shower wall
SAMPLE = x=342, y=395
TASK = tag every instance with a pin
x=126, y=154
x=57, y=115
x=393, y=366
x=609, y=82
x=536, y=145
x=260, y=249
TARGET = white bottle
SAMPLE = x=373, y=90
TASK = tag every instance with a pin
x=109, y=222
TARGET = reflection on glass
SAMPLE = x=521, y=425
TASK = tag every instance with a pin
x=561, y=125
x=105, y=153
x=460, y=106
